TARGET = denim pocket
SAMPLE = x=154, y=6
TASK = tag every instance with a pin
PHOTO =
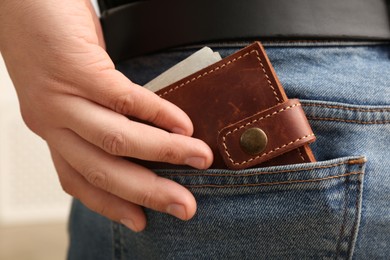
x=313, y=210
x=345, y=129
x=295, y=211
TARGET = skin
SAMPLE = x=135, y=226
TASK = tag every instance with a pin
x=71, y=95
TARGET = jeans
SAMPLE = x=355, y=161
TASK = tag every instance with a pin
x=336, y=208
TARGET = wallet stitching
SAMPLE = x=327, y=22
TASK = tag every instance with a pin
x=349, y=162
x=223, y=66
x=266, y=75
x=272, y=151
x=263, y=117
x=271, y=183
x=375, y=122
x=254, y=121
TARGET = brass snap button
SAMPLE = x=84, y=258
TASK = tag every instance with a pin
x=253, y=141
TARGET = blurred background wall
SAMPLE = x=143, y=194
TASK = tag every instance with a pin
x=33, y=207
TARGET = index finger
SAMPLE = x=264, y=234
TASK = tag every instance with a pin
x=113, y=90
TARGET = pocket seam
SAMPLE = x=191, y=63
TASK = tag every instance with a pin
x=375, y=122
x=353, y=232
x=347, y=108
x=272, y=183
x=361, y=160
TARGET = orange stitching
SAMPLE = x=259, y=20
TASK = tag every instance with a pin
x=348, y=108
x=342, y=230
x=349, y=121
x=204, y=74
x=266, y=75
x=357, y=204
x=358, y=161
x=352, y=161
x=263, y=117
x=223, y=66
x=343, y=224
x=272, y=151
x=271, y=183
x=252, y=122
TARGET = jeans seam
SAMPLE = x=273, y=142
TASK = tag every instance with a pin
x=356, y=221
x=349, y=162
x=272, y=183
x=342, y=228
x=350, y=121
x=348, y=108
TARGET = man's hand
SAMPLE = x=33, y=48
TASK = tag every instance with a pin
x=71, y=95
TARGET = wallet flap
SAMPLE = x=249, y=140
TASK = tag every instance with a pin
x=265, y=135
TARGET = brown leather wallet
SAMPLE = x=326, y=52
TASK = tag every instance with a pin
x=239, y=108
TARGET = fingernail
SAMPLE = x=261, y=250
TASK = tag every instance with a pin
x=196, y=162
x=177, y=210
x=129, y=223
x=178, y=130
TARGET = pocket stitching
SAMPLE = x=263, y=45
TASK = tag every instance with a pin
x=353, y=231
x=361, y=161
x=347, y=108
x=375, y=122
x=272, y=183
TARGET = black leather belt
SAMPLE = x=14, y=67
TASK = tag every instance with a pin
x=148, y=26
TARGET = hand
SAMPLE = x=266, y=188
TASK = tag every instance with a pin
x=71, y=95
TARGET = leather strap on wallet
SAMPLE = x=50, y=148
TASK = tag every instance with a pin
x=148, y=26
x=239, y=108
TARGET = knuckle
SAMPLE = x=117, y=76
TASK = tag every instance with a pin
x=102, y=208
x=155, y=115
x=146, y=199
x=150, y=197
x=114, y=143
x=99, y=179
x=168, y=154
x=100, y=205
x=124, y=104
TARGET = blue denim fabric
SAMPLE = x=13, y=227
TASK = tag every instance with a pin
x=338, y=207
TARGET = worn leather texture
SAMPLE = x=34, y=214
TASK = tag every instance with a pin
x=234, y=94
x=285, y=125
